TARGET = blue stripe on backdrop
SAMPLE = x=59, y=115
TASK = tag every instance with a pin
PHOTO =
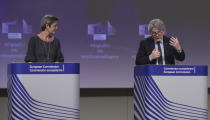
x=158, y=108
x=154, y=85
x=138, y=95
x=26, y=93
x=23, y=106
x=150, y=103
x=158, y=101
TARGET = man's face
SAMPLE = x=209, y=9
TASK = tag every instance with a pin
x=157, y=34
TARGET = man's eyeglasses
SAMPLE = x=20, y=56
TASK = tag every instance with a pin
x=156, y=33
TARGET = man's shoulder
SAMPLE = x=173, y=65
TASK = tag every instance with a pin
x=147, y=40
x=166, y=38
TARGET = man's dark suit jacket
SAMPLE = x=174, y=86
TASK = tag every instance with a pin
x=147, y=46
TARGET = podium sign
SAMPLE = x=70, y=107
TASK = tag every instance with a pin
x=170, y=92
x=43, y=91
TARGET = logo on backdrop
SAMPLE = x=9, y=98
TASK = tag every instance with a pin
x=143, y=30
x=15, y=30
x=100, y=31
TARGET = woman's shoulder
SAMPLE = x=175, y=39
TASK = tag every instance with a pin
x=56, y=40
x=33, y=38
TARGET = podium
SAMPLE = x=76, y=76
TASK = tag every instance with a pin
x=170, y=92
x=43, y=91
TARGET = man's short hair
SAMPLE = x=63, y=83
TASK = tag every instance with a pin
x=156, y=23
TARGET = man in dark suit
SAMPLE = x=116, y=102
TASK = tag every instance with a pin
x=159, y=49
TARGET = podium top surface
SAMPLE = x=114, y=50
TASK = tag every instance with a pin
x=172, y=70
x=44, y=68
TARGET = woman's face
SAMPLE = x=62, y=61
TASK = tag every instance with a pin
x=52, y=29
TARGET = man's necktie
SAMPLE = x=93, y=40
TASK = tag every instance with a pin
x=160, y=59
